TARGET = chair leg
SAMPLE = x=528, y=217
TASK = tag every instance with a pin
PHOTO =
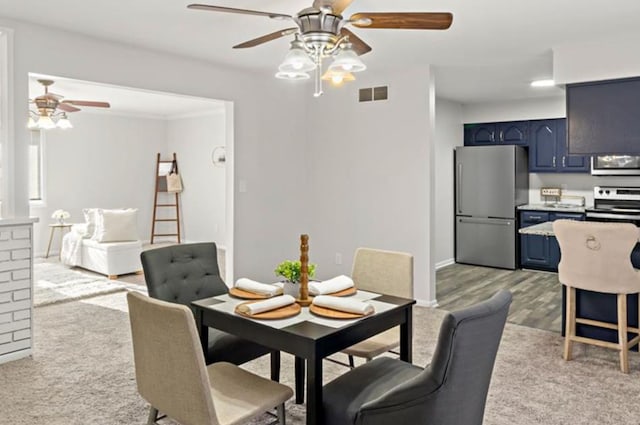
x=281, y=414
x=153, y=415
x=623, y=341
x=570, y=322
x=351, y=362
x=275, y=366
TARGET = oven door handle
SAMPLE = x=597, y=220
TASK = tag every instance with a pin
x=613, y=216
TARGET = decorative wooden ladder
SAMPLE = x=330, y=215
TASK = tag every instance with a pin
x=162, y=169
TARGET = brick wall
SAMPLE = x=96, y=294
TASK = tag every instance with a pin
x=16, y=269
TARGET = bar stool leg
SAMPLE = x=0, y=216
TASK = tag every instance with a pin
x=623, y=341
x=570, y=323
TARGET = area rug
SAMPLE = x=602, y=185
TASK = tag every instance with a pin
x=56, y=283
x=82, y=372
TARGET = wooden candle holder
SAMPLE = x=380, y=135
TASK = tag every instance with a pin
x=304, y=299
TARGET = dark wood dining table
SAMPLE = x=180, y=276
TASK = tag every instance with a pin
x=308, y=337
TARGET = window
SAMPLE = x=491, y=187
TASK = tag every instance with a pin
x=35, y=166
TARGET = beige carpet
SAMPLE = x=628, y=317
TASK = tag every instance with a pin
x=82, y=373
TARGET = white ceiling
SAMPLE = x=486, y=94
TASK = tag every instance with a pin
x=123, y=100
x=492, y=51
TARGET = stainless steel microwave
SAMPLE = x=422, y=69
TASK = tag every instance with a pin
x=615, y=165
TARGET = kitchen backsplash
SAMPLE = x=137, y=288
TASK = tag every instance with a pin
x=574, y=184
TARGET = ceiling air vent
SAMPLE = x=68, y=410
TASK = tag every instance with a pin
x=373, y=93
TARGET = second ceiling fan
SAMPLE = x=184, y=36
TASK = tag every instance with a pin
x=321, y=32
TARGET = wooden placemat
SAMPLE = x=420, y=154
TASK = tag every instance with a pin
x=246, y=295
x=344, y=293
x=335, y=314
x=279, y=313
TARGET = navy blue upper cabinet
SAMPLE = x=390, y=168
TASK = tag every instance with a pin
x=543, y=146
x=569, y=163
x=480, y=134
x=508, y=133
x=548, y=149
x=514, y=133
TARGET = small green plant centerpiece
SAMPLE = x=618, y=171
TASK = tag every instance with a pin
x=290, y=270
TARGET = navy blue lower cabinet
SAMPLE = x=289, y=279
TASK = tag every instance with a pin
x=554, y=253
x=534, y=251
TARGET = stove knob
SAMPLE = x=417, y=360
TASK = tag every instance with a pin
x=606, y=191
x=600, y=191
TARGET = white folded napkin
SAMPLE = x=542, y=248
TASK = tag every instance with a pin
x=330, y=286
x=343, y=304
x=257, y=287
x=266, y=305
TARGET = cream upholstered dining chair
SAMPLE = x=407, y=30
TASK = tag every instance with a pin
x=172, y=376
x=596, y=257
x=384, y=272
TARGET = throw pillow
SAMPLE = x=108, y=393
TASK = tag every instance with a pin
x=90, y=219
x=116, y=225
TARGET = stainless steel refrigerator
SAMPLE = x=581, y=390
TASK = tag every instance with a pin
x=490, y=182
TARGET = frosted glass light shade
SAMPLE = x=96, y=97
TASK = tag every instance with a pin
x=46, y=123
x=347, y=61
x=283, y=75
x=338, y=77
x=31, y=124
x=64, y=123
x=297, y=60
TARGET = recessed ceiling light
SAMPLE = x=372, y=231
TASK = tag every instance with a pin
x=543, y=83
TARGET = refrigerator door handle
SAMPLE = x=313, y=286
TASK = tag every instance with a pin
x=458, y=197
x=499, y=222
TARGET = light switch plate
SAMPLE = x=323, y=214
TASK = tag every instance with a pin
x=550, y=191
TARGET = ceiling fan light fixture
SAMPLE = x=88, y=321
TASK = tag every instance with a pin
x=338, y=77
x=45, y=123
x=347, y=61
x=292, y=75
x=31, y=124
x=64, y=122
x=297, y=60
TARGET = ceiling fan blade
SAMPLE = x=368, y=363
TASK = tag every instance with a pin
x=240, y=11
x=87, y=103
x=67, y=108
x=336, y=5
x=411, y=21
x=359, y=46
x=265, y=38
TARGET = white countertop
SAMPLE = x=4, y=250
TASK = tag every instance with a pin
x=553, y=207
x=542, y=229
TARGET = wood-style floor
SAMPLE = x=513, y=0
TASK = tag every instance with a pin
x=537, y=297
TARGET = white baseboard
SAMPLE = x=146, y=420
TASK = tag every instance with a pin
x=445, y=263
x=424, y=303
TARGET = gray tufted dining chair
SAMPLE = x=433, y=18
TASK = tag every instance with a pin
x=188, y=272
x=452, y=390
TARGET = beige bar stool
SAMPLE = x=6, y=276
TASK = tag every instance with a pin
x=596, y=257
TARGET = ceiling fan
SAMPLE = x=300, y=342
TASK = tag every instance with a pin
x=52, y=107
x=321, y=32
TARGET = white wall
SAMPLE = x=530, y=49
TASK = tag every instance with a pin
x=604, y=59
x=371, y=173
x=267, y=140
x=105, y=161
x=525, y=109
x=449, y=134
x=203, y=200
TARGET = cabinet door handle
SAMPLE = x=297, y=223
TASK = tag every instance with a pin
x=493, y=137
x=535, y=217
x=564, y=163
x=554, y=161
x=501, y=136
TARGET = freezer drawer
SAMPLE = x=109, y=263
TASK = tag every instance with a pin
x=486, y=242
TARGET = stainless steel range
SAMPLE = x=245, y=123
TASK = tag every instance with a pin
x=619, y=204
